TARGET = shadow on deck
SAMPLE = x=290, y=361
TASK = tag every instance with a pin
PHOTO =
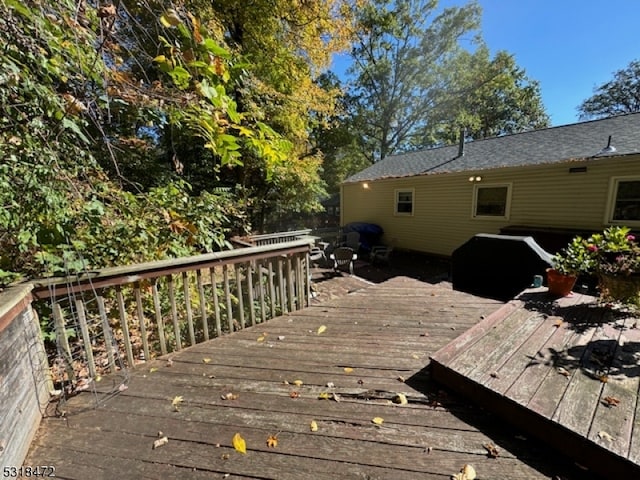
x=566, y=371
x=275, y=379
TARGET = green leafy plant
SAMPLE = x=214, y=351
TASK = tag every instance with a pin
x=615, y=251
x=575, y=258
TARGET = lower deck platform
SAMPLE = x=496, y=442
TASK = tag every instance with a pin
x=566, y=371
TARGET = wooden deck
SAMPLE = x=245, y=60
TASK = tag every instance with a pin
x=566, y=371
x=376, y=344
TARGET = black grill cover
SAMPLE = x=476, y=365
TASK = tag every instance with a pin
x=497, y=266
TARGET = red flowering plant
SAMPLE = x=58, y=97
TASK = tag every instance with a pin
x=615, y=251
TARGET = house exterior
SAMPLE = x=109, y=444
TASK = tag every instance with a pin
x=577, y=178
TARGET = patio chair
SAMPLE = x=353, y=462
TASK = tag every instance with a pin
x=380, y=253
x=316, y=254
x=343, y=256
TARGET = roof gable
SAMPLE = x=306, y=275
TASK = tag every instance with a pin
x=577, y=141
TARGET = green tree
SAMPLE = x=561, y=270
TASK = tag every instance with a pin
x=400, y=51
x=485, y=97
x=617, y=96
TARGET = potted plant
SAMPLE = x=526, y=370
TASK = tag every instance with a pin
x=567, y=264
x=616, y=261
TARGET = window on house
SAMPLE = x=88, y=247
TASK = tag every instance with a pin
x=404, y=202
x=492, y=201
x=625, y=204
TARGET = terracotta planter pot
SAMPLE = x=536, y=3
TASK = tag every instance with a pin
x=559, y=284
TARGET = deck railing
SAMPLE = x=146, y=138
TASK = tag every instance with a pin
x=278, y=237
x=126, y=314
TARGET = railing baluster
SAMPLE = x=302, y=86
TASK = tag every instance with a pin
x=63, y=341
x=282, y=287
x=159, y=320
x=187, y=301
x=239, y=294
x=174, y=311
x=227, y=294
x=306, y=270
x=86, y=338
x=124, y=325
x=203, y=305
x=272, y=290
x=106, y=332
x=216, y=301
x=290, y=289
x=143, y=327
x=262, y=288
x=299, y=282
x=252, y=311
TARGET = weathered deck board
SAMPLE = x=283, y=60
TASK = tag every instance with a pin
x=567, y=371
x=383, y=333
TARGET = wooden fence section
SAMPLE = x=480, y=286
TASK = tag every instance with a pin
x=118, y=316
x=25, y=387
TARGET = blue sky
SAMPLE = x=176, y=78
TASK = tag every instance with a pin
x=568, y=46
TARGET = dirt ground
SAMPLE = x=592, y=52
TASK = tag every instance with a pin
x=327, y=284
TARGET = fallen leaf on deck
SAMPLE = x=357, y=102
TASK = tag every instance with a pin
x=169, y=362
x=294, y=394
x=611, y=401
x=605, y=436
x=206, y=360
x=260, y=338
x=313, y=426
x=494, y=375
x=603, y=378
x=425, y=334
x=331, y=385
x=401, y=379
x=160, y=442
x=360, y=381
x=175, y=403
x=558, y=323
x=336, y=397
x=321, y=329
x=281, y=337
x=324, y=396
x=229, y=396
x=297, y=383
x=272, y=441
x=415, y=356
x=466, y=473
x=348, y=369
x=238, y=443
x=378, y=420
x=492, y=450
x=400, y=399
x=564, y=371
x=153, y=369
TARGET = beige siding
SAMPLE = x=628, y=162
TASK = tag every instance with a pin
x=542, y=195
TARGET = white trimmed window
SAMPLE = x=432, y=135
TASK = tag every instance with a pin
x=624, y=201
x=491, y=201
x=404, y=202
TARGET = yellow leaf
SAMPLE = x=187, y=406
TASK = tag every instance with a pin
x=272, y=441
x=321, y=329
x=160, y=442
x=239, y=444
x=314, y=426
x=175, y=403
x=605, y=436
x=324, y=396
x=206, y=360
x=400, y=399
x=153, y=369
x=348, y=369
x=297, y=383
x=378, y=420
x=260, y=339
x=466, y=473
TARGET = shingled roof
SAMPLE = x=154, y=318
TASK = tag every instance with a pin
x=578, y=141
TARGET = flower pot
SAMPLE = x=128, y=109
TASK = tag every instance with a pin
x=559, y=284
x=620, y=288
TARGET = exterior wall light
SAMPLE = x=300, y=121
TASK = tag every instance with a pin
x=365, y=185
x=473, y=178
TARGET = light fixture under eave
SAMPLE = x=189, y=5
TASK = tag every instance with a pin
x=475, y=178
x=609, y=148
x=365, y=185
